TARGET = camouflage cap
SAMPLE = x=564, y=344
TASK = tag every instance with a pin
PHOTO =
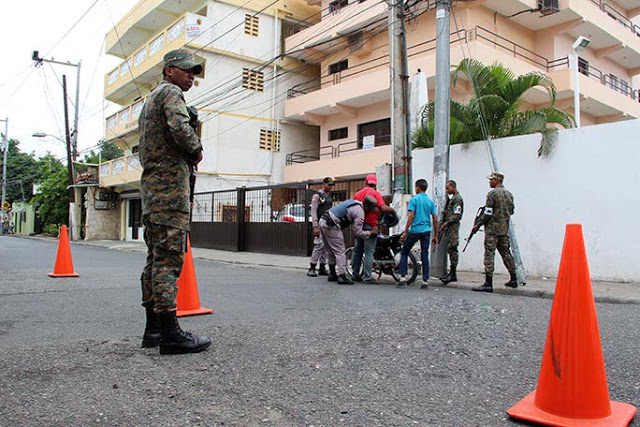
x=496, y=175
x=182, y=59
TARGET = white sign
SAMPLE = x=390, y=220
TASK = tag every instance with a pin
x=193, y=30
x=368, y=142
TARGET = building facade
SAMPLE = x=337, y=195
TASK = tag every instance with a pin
x=240, y=95
x=349, y=102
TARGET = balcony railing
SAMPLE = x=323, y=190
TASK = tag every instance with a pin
x=331, y=151
x=379, y=62
x=120, y=171
x=124, y=120
x=617, y=16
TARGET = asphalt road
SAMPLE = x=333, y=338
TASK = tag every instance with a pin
x=287, y=350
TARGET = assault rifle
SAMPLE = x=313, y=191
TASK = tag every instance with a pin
x=195, y=124
x=476, y=221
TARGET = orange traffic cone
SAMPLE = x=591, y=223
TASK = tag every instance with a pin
x=572, y=386
x=64, y=263
x=188, y=300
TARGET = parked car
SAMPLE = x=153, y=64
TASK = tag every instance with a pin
x=290, y=213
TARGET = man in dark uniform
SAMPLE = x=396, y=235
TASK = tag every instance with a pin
x=320, y=203
x=169, y=147
x=498, y=209
x=453, y=211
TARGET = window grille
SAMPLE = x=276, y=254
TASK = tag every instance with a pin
x=253, y=80
x=175, y=31
x=251, y=25
x=140, y=57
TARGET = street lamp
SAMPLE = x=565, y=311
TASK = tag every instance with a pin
x=578, y=46
x=44, y=135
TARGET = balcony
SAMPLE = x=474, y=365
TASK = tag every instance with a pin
x=337, y=23
x=124, y=122
x=145, y=18
x=140, y=71
x=123, y=172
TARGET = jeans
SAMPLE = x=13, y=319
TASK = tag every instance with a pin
x=366, y=247
x=412, y=238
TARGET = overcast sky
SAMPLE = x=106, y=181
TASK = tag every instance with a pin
x=31, y=97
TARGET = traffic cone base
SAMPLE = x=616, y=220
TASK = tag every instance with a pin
x=572, y=385
x=64, y=264
x=621, y=415
x=188, y=300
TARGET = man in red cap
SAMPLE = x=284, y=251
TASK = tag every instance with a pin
x=367, y=246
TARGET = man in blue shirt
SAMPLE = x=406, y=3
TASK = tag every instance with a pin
x=422, y=218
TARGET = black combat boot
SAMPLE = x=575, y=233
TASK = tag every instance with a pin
x=322, y=270
x=175, y=340
x=487, y=286
x=333, y=277
x=451, y=277
x=152, y=336
x=344, y=280
x=513, y=281
x=312, y=270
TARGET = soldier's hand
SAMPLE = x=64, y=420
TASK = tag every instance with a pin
x=475, y=228
x=316, y=231
x=197, y=160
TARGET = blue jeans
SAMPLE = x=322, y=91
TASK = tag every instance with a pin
x=412, y=238
x=364, y=247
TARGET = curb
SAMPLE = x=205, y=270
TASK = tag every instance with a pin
x=520, y=291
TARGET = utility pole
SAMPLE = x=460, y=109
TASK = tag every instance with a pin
x=4, y=170
x=69, y=161
x=442, y=128
x=74, y=213
x=399, y=81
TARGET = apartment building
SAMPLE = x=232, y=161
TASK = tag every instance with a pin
x=240, y=96
x=349, y=102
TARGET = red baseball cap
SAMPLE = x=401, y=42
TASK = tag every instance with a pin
x=371, y=179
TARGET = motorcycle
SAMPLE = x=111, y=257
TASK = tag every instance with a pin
x=386, y=259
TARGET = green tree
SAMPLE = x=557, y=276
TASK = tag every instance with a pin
x=106, y=151
x=22, y=173
x=497, y=108
x=53, y=196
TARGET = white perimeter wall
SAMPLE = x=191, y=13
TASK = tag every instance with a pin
x=591, y=178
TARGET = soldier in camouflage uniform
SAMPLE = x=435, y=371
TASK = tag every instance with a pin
x=451, y=227
x=497, y=211
x=169, y=147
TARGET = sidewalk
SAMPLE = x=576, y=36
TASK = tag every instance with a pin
x=604, y=292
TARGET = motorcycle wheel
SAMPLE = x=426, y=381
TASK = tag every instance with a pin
x=349, y=256
x=412, y=268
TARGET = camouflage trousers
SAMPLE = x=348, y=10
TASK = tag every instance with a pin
x=452, y=231
x=165, y=256
x=500, y=242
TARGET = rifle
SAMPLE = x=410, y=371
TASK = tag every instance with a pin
x=195, y=124
x=476, y=221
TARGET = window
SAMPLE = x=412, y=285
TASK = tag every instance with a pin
x=338, y=133
x=253, y=80
x=336, y=5
x=251, y=25
x=613, y=82
x=583, y=66
x=175, y=31
x=380, y=129
x=338, y=66
x=140, y=57
x=269, y=140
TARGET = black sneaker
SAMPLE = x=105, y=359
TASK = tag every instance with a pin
x=356, y=278
x=344, y=280
x=312, y=272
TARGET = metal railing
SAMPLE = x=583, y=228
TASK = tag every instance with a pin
x=332, y=152
x=613, y=13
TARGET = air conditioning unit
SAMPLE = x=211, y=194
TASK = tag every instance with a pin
x=547, y=7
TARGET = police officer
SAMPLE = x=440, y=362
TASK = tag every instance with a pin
x=453, y=211
x=320, y=203
x=348, y=213
x=169, y=147
x=497, y=211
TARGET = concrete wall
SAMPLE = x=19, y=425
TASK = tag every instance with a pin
x=588, y=179
x=101, y=224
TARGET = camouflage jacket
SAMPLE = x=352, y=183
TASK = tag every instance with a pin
x=453, y=210
x=498, y=208
x=167, y=142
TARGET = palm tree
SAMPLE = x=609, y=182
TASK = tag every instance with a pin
x=496, y=109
